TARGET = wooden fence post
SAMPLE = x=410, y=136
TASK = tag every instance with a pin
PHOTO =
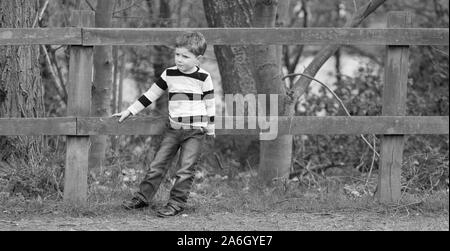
x=79, y=105
x=394, y=104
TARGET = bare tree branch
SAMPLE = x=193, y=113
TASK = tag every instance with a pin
x=338, y=99
x=40, y=14
x=90, y=5
x=60, y=87
x=302, y=84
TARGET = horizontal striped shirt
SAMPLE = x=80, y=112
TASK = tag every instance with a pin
x=191, y=98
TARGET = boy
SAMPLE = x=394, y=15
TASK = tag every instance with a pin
x=191, y=116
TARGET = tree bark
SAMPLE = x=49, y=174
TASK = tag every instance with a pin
x=21, y=92
x=275, y=155
x=162, y=57
x=235, y=63
x=102, y=86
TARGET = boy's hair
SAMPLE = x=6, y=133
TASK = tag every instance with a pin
x=195, y=42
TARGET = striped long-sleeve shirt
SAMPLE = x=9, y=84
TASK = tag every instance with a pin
x=191, y=98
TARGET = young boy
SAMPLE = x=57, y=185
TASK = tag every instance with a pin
x=191, y=116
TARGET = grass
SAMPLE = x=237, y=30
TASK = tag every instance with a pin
x=242, y=195
x=237, y=198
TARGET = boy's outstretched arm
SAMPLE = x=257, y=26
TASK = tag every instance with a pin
x=156, y=91
x=210, y=102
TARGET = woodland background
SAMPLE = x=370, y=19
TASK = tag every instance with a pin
x=33, y=167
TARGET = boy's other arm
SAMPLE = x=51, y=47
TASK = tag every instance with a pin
x=155, y=92
x=148, y=98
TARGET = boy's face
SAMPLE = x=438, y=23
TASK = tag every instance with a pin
x=185, y=60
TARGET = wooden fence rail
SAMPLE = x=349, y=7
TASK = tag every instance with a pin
x=58, y=36
x=241, y=36
x=397, y=37
x=227, y=36
x=86, y=126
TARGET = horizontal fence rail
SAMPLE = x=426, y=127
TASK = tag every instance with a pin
x=381, y=125
x=57, y=36
x=228, y=36
x=38, y=126
x=247, y=36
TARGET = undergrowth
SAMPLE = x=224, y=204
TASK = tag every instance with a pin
x=242, y=195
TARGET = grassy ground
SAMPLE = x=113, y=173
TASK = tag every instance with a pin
x=219, y=204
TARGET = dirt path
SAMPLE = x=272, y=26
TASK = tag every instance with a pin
x=224, y=221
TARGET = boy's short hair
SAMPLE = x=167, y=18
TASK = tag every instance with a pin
x=195, y=42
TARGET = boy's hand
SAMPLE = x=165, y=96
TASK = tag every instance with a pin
x=123, y=115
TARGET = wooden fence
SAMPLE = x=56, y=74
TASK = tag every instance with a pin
x=78, y=126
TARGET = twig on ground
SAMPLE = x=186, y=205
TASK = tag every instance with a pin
x=218, y=160
x=371, y=165
x=410, y=204
x=439, y=50
x=278, y=202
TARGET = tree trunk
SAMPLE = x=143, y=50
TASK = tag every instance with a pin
x=162, y=57
x=115, y=56
x=275, y=155
x=21, y=92
x=101, y=91
x=234, y=63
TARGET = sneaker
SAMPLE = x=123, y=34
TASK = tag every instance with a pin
x=169, y=210
x=134, y=203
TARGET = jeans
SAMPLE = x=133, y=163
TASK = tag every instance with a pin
x=190, y=141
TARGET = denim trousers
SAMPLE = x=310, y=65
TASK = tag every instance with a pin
x=190, y=142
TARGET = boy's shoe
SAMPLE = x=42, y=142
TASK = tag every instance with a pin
x=169, y=210
x=134, y=203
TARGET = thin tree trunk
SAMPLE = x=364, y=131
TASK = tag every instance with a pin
x=275, y=155
x=115, y=78
x=123, y=61
x=337, y=55
x=114, y=142
x=101, y=91
x=21, y=92
x=162, y=57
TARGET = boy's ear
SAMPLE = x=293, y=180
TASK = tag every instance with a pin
x=199, y=58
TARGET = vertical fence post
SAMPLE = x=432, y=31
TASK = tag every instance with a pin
x=394, y=104
x=79, y=105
